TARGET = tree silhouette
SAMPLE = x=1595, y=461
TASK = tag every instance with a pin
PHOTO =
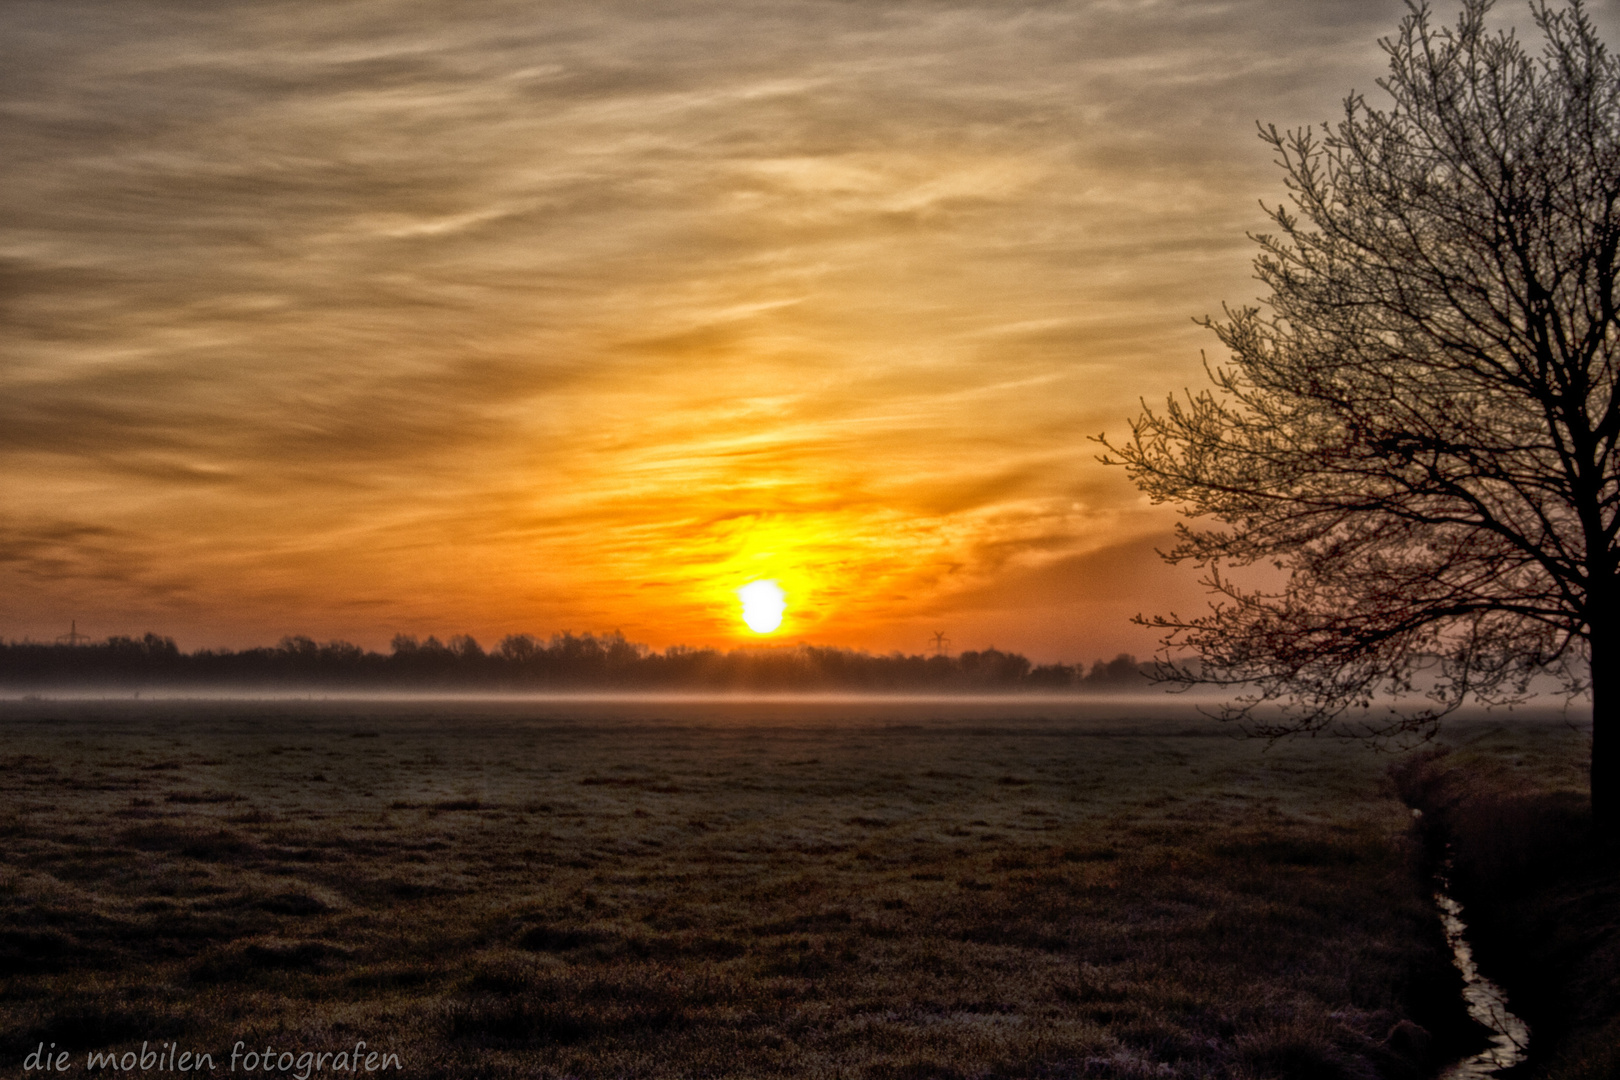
x=1420, y=430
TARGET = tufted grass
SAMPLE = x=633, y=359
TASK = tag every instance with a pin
x=665, y=890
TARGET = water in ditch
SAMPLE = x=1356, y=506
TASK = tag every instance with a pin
x=1510, y=1036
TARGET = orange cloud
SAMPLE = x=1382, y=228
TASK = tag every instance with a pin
x=329, y=319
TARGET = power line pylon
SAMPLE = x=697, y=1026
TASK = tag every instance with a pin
x=940, y=641
x=73, y=637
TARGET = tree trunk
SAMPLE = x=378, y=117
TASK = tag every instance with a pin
x=1605, y=737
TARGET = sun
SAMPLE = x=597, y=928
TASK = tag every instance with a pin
x=762, y=605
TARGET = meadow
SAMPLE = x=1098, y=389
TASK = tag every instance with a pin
x=884, y=890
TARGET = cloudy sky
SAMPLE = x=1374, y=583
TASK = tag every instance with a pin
x=358, y=318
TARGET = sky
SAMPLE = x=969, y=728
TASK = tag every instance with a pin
x=351, y=319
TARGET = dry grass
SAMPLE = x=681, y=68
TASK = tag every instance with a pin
x=742, y=891
x=1542, y=895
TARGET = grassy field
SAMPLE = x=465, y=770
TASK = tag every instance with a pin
x=638, y=890
x=1542, y=894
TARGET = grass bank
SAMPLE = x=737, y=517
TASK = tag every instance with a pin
x=498, y=891
x=1542, y=898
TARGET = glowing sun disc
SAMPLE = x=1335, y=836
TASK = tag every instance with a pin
x=763, y=603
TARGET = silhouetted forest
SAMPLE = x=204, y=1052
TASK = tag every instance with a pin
x=524, y=662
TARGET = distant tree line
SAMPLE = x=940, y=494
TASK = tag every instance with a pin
x=524, y=662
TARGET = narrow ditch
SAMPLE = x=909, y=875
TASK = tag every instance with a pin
x=1487, y=1003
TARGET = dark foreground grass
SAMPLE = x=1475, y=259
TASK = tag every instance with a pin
x=487, y=892
x=1542, y=894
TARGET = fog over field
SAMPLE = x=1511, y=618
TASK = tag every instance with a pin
x=598, y=540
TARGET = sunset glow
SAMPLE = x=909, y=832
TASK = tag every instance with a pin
x=762, y=605
x=506, y=322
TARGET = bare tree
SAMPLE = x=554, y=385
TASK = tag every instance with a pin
x=1415, y=437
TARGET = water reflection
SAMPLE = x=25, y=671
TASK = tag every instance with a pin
x=1487, y=1003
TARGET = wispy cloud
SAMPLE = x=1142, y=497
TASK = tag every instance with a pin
x=359, y=317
